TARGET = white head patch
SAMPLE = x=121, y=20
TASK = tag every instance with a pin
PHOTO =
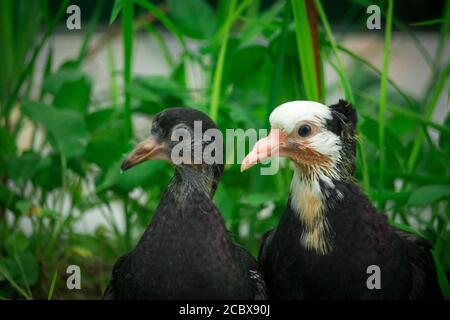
x=307, y=199
x=289, y=114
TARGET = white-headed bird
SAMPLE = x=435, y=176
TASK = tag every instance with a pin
x=331, y=241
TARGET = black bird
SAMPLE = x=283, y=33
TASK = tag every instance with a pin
x=331, y=240
x=186, y=252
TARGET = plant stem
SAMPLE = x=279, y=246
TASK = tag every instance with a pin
x=383, y=98
x=127, y=27
x=305, y=49
x=279, y=64
x=217, y=81
x=53, y=284
x=112, y=70
x=442, y=79
x=340, y=65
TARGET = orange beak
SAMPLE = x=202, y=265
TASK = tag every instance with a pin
x=265, y=148
x=149, y=149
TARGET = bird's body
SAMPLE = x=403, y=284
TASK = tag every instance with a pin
x=186, y=252
x=361, y=237
x=330, y=239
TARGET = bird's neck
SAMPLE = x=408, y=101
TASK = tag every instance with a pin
x=187, y=181
x=311, y=200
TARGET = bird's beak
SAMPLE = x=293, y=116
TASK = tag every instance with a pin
x=149, y=149
x=265, y=148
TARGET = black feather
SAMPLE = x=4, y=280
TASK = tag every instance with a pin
x=359, y=237
x=186, y=252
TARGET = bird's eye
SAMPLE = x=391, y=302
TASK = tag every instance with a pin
x=304, y=130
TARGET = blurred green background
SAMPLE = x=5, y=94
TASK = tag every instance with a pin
x=73, y=102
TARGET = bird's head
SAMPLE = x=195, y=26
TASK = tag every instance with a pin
x=181, y=137
x=319, y=139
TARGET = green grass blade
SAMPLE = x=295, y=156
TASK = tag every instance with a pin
x=430, y=22
x=117, y=7
x=431, y=106
x=6, y=38
x=217, y=81
x=162, y=44
x=305, y=50
x=418, y=44
x=112, y=75
x=396, y=109
x=90, y=30
x=280, y=58
x=363, y=160
x=372, y=67
x=30, y=65
x=340, y=65
x=164, y=19
x=442, y=277
x=383, y=96
x=127, y=38
x=14, y=284
x=24, y=276
x=231, y=19
x=52, y=285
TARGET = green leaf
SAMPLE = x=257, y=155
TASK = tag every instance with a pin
x=143, y=175
x=7, y=145
x=267, y=20
x=69, y=73
x=258, y=199
x=444, y=137
x=67, y=127
x=194, y=18
x=430, y=22
x=48, y=213
x=222, y=199
x=8, y=269
x=408, y=229
x=138, y=91
x=428, y=194
x=107, y=123
x=164, y=19
x=161, y=85
x=109, y=178
x=22, y=168
x=104, y=151
x=30, y=267
x=71, y=89
x=24, y=206
x=74, y=95
x=14, y=265
x=49, y=173
x=156, y=92
x=248, y=65
x=442, y=277
x=115, y=11
x=16, y=244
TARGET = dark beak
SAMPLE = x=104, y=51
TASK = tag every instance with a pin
x=149, y=149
